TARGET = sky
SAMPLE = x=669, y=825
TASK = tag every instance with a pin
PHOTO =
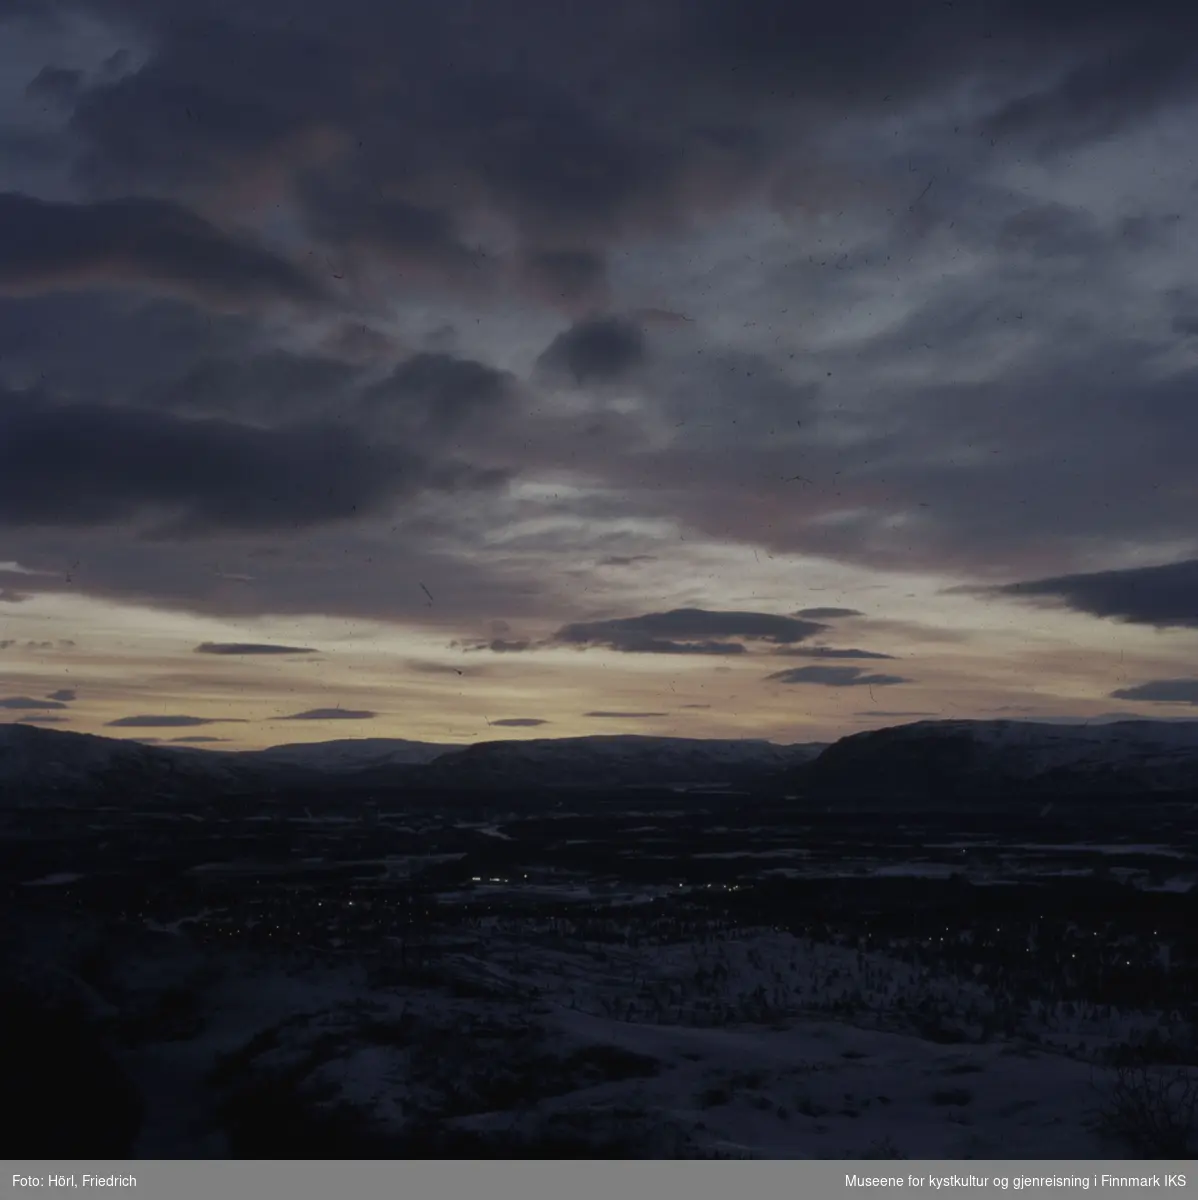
x=520, y=368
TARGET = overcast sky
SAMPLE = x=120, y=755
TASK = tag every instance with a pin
x=521, y=368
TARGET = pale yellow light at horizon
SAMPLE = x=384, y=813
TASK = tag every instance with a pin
x=966, y=655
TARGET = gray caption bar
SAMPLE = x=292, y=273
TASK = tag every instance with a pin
x=719, y=1179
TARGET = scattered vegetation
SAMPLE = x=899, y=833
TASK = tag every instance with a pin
x=1152, y=1110
x=763, y=916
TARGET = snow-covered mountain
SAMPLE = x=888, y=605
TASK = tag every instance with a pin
x=948, y=758
x=35, y=762
x=349, y=754
x=616, y=759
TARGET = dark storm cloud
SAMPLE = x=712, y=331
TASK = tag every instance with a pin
x=1131, y=57
x=519, y=722
x=438, y=393
x=835, y=677
x=1163, y=596
x=176, y=119
x=21, y=702
x=66, y=695
x=351, y=571
x=331, y=714
x=630, y=716
x=596, y=351
x=391, y=111
x=827, y=614
x=1100, y=98
x=557, y=161
x=410, y=233
x=59, y=85
x=273, y=386
x=575, y=119
x=687, y=631
x=249, y=648
x=150, y=721
x=47, y=246
x=1161, y=691
x=103, y=343
x=944, y=475
x=567, y=275
x=829, y=652
x=85, y=465
x=555, y=138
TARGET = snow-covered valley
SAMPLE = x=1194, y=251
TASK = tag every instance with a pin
x=403, y=961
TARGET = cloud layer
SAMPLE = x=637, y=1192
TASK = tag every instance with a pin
x=242, y=649
x=48, y=246
x=837, y=677
x=1165, y=595
x=624, y=328
x=1161, y=691
x=687, y=631
x=331, y=714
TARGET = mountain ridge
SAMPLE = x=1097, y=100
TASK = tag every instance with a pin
x=944, y=759
x=948, y=758
x=57, y=761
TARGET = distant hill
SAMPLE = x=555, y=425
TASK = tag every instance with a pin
x=963, y=759
x=617, y=760
x=945, y=761
x=348, y=754
x=39, y=762
x=46, y=762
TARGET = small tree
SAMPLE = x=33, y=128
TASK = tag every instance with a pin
x=1153, y=1111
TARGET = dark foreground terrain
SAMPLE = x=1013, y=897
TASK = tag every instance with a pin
x=620, y=973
